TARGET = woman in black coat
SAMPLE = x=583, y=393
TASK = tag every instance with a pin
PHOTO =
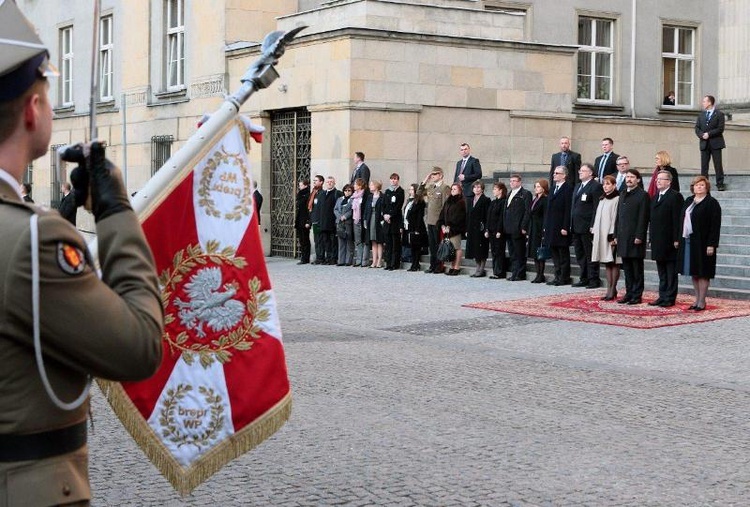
x=373, y=221
x=477, y=246
x=452, y=223
x=415, y=230
x=536, y=227
x=494, y=230
x=701, y=219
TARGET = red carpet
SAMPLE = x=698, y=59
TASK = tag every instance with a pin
x=588, y=307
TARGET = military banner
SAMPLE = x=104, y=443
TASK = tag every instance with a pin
x=222, y=387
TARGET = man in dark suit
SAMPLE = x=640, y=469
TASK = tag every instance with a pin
x=623, y=164
x=630, y=234
x=557, y=226
x=709, y=127
x=360, y=169
x=606, y=163
x=327, y=199
x=257, y=199
x=570, y=159
x=314, y=206
x=585, y=200
x=665, y=231
x=68, y=209
x=393, y=204
x=302, y=221
x=516, y=225
x=468, y=170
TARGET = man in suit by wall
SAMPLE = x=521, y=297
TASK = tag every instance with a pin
x=468, y=170
x=585, y=200
x=606, y=163
x=68, y=209
x=709, y=127
x=568, y=158
x=665, y=231
x=557, y=234
x=360, y=169
x=516, y=226
x=630, y=234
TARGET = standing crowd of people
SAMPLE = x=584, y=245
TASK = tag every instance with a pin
x=602, y=209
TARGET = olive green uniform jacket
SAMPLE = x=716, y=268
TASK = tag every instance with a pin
x=109, y=328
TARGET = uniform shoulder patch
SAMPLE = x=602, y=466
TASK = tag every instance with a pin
x=70, y=259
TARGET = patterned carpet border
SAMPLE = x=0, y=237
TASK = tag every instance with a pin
x=588, y=307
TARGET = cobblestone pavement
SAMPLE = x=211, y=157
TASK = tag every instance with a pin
x=403, y=397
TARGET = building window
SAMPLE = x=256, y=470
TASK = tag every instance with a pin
x=175, y=44
x=55, y=195
x=678, y=63
x=66, y=66
x=28, y=176
x=595, y=59
x=161, y=150
x=105, y=59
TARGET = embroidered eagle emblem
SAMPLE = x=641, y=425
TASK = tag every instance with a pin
x=209, y=303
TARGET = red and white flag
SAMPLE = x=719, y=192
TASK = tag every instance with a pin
x=222, y=387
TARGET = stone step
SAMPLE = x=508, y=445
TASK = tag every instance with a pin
x=733, y=259
x=735, y=239
x=731, y=219
x=734, y=229
x=728, y=248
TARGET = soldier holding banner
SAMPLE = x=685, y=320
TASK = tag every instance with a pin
x=78, y=324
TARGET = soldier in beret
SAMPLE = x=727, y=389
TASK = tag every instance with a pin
x=52, y=300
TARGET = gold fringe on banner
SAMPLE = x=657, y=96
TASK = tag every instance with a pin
x=184, y=480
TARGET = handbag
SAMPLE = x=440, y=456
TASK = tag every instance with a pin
x=446, y=251
x=543, y=253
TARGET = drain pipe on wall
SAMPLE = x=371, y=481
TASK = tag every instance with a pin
x=632, y=62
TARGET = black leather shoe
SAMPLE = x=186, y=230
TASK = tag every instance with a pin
x=721, y=187
x=699, y=308
x=635, y=301
x=582, y=283
x=519, y=278
x=623, y=301
x=303, y=262
x=666, y=304
x=658, y=302
x=596, y=284
x=429, y=270
x=553, y=282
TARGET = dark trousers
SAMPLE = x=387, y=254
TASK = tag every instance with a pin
x=582, y=245
x=561, y=261
x=667, y=280
x=330, y=246
x=499, y=260
x=633, y=267
x=320, y=249
x=517, y=254
x=303, y=235
x=433, y=241
x=706, y=155
x=416, y=252
x=392, y=250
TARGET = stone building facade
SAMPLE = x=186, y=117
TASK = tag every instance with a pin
x=405, y=81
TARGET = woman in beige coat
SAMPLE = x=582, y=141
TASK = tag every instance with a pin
x=603, y=230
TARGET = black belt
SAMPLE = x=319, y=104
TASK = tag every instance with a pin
x=47, y=444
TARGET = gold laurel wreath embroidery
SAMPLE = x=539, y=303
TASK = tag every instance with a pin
x=207, y=202
x=168, y=421
x=238, y=339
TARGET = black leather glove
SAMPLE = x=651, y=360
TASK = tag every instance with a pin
x=79, y=177
x=108, y=194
